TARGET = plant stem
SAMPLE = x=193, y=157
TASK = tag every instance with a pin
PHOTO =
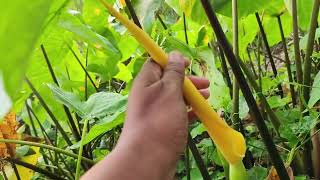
x=73, y=127
x=275, y=157
x=161, y=21
x=54, y=119
x=84, y=132
x=198, y=159
x=187, y=159
x=310, y=45
x=34, y=168
x=306, y=88
x=251, y=64
x=235, y=96
x=225, y=69
x=266, y=44
x=83, y=68
x=55, y=149
x=299, y=73
x=273, y=117
x=288, y=64
x=133, y=13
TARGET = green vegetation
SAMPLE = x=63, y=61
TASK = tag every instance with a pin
x=67, y=68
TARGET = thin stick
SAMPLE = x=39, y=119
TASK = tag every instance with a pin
x=296, y=45
x=133, y=14
x=264, y=37
x=83, y=68
x=198, y=159
x=45, y=146
x=288, y=64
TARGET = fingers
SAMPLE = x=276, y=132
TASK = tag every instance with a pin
x=191, y=114
x=200, y=82
x=150, y=73
x=174, y=71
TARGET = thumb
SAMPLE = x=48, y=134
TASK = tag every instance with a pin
x=174, y=71
x=150, y=73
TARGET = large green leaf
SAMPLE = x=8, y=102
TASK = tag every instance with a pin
x=20, y=26
x=245, y=7
x=99, y=105
x=304, y=12
x=315, y=92
x=73, y=24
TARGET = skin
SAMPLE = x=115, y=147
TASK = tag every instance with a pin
x=156, y=126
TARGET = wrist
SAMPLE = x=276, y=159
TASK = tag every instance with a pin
x=148, y=158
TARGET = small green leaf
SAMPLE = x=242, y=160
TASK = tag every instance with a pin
x=315, y=92
x=99, y=105
x=258, y=173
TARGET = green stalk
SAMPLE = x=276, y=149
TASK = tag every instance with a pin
x=235, y=90
x=299, y=73
x=238, y=172
x=55, y=149
x=311, y=39
x=84, y=132
x=312, y=154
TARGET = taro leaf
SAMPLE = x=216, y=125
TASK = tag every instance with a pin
x=105, y=71
x=73, y=24
x=194, y=174
x=172, y=44
x=224, y=7
x=304, y=39
x=258, y=173
x=99, y=105
x=24, y=151
x=104, y=126
x=287, y=132
x=181, y=6
x=146, y=10
x=20, y=26
x=315, y=92
x=198, y=130
x=276, y=101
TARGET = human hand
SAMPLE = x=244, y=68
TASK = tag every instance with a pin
x=157, y=117
x=156, y=127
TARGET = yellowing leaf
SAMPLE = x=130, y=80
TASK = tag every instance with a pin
x=31, y=159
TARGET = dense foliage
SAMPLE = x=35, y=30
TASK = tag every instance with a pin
x=67, y=67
